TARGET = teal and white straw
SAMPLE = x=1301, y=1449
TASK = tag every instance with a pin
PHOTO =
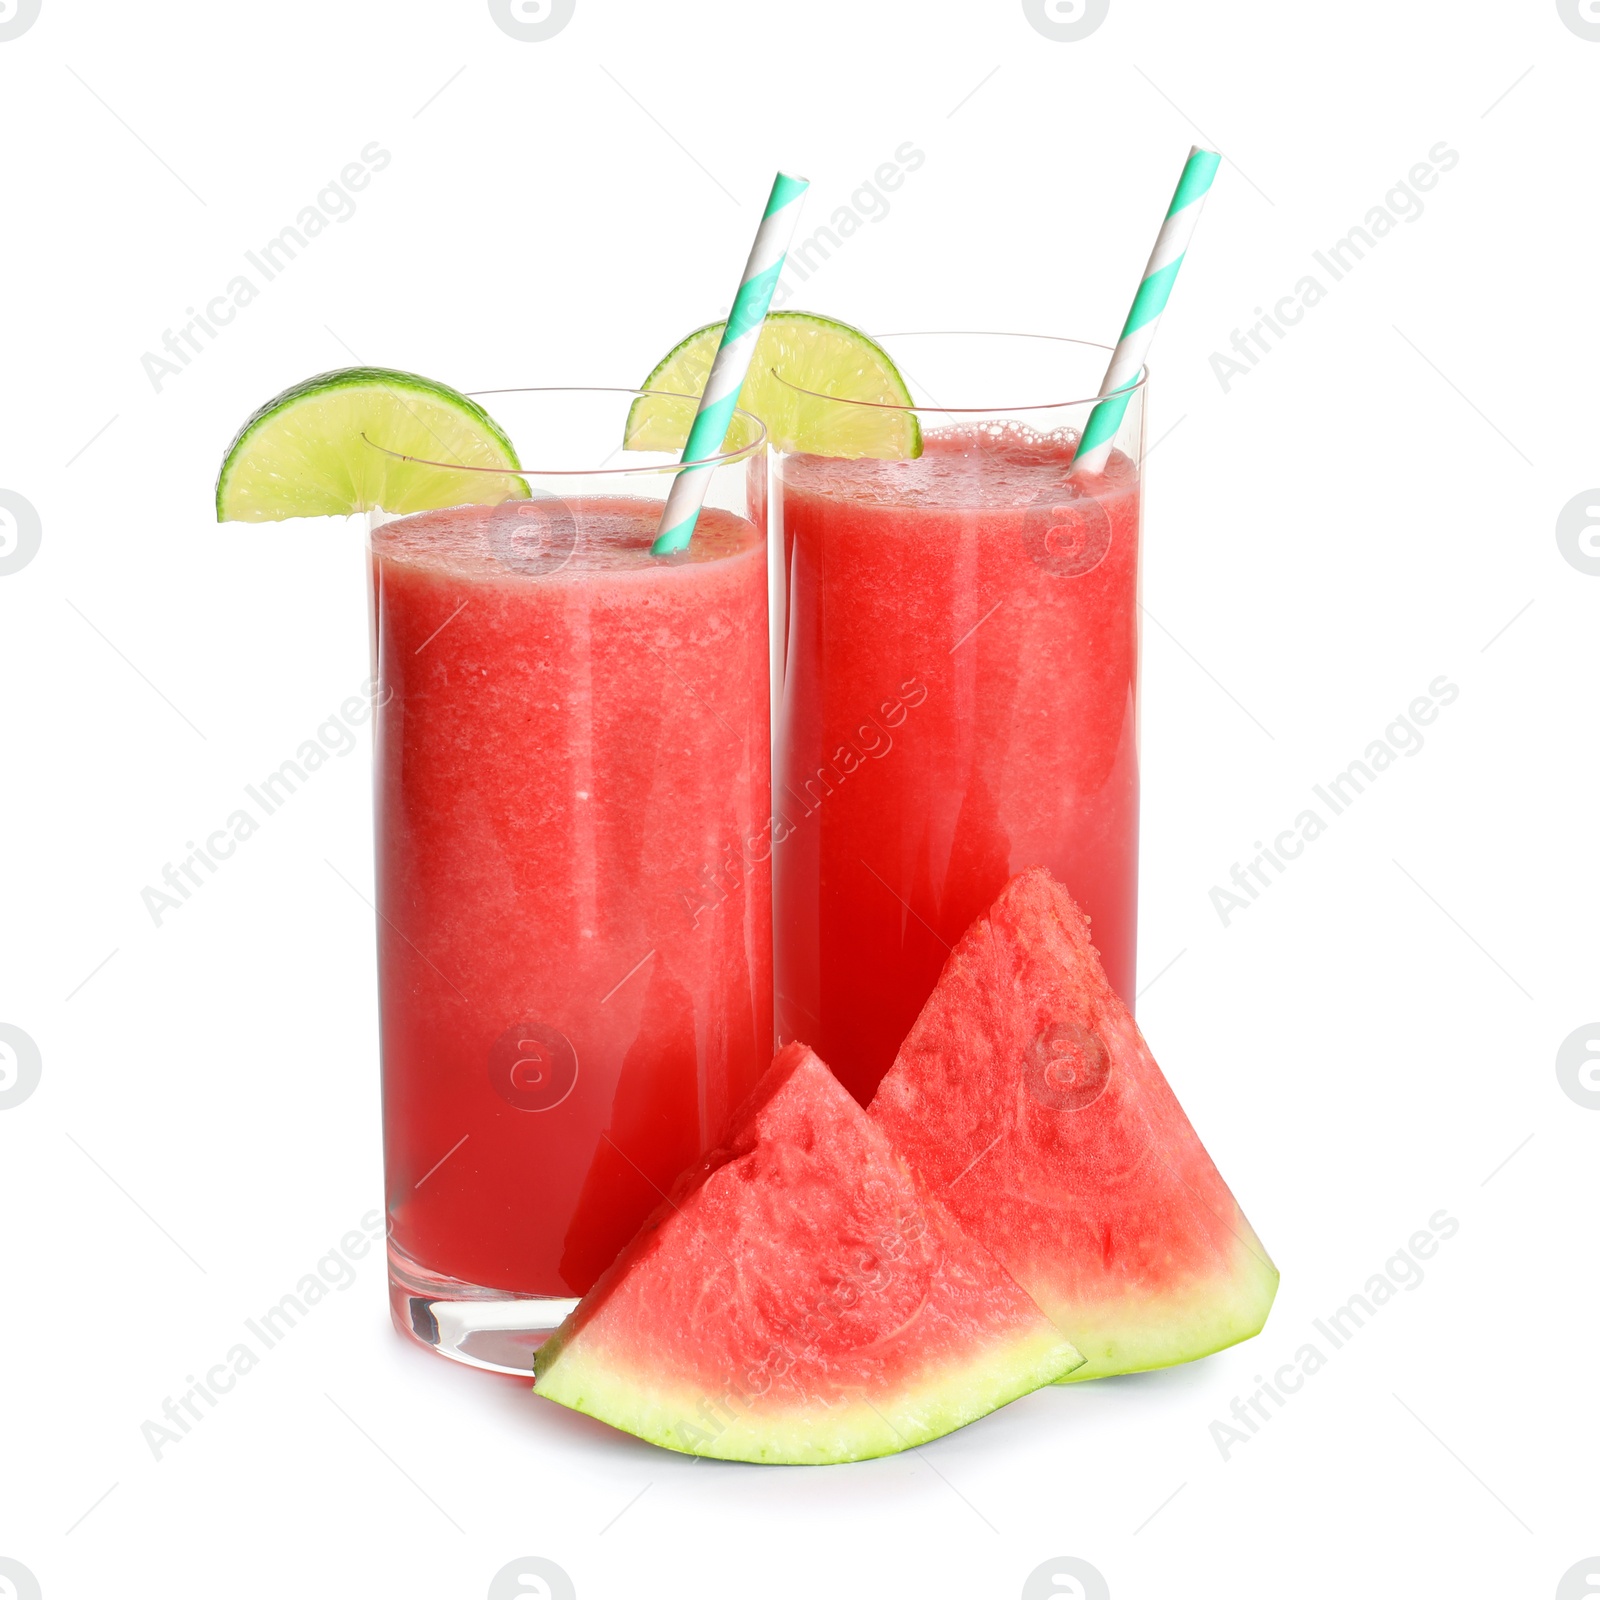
x=731, y=363
x=1127, y=360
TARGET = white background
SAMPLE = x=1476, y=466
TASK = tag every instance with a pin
x=1372, y=506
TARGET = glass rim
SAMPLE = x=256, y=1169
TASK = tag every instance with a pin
x=726, y=458
x=975, y=333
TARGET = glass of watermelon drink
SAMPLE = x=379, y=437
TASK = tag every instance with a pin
x=573, y=881
x=959, y=698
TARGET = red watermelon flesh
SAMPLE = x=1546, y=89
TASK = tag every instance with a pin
x=1026, y=1097
x=800, y=1297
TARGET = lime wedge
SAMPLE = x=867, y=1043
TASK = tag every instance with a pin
x=307, y=453
x=813, y=353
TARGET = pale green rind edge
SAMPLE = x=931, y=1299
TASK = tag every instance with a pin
x=694, y=1424
x=677, y=350
x=1166, y=1331
x=353, y=378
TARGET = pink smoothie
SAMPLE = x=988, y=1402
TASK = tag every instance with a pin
x=575, y=988
x=959, y=703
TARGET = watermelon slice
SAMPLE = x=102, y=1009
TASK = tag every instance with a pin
x=1027, y=1099
x=800, y=1297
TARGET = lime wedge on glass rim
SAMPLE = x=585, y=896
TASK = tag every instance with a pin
x=309, y=452
x=814, y=354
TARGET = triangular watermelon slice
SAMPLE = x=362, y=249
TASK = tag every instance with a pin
x=800, y=1298
x=1027, y=1099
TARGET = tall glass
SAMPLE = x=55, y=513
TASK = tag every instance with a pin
x=959, y=696
x=572, y=829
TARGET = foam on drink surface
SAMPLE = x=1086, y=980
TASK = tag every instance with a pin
x=550, y=538
x=982, y=465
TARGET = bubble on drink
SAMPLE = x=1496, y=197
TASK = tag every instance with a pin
x=533, y=1066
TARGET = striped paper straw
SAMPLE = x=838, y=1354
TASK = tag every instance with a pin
x=1160, y=272
x=731, y=363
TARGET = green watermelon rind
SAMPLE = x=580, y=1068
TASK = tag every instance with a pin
x=1166, y=1331
x=1131, y=1326
x=782, y=1386
x=694, y=1423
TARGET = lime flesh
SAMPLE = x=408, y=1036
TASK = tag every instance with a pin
x=818, y=358
x=310, y=451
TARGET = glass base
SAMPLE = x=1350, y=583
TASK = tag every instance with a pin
x=484, y=1328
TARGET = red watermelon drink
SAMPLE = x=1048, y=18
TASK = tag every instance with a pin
x=574, y=935
x=960, y=694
